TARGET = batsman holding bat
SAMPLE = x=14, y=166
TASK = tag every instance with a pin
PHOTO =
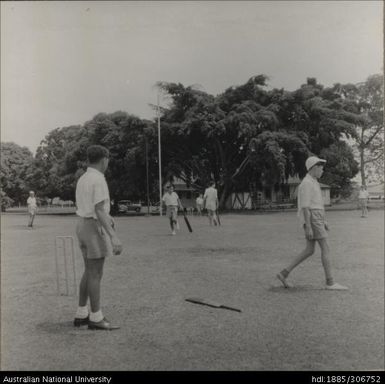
x=172, y=202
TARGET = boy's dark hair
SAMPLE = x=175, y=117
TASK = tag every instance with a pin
x=97, y=152
x=212, y=182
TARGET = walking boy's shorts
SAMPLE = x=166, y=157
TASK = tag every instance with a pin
x=317, y=221
x=94, y=241
x=172, y=211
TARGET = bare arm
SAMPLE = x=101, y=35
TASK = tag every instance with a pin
x=107, y=223
x=308, y=228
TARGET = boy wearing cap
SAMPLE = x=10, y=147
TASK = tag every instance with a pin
x=312, y=214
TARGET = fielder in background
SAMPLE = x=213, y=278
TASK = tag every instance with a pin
x=32, y=208
x=199, y=204
x=97, y=237
x=211, y=203
x=172, y=202
x=312, y=214
x=363, y=198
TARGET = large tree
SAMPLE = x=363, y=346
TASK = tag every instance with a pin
x=15, y=168
x=367, y=100
x=61, y=157
x=209, y=137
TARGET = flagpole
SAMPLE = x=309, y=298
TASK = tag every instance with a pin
x=160, y=162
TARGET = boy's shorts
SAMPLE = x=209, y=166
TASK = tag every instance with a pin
x=32, y=211
x=172, y=211
x=211, y=212
x=317, y=221
x=363, y=202
x=94, y=241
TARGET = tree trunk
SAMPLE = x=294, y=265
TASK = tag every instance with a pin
x=362, y=158
x=225, y=194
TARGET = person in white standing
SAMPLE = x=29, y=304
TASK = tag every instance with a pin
x=32, y=208
x=199, y=204
x=97, y=237
x=210, y=199
x=172, y=202
x=363, y=198
x=312, y=214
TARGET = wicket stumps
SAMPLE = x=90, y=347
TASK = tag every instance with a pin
x=64, y=256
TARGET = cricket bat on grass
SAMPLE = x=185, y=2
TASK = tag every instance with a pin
x=209, y=303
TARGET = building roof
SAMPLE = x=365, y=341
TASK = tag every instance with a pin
x=376, y=188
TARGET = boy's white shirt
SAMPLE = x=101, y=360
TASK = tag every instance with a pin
x=211, y=196
x=309, y=196
x=170, y=198
x=91, y=189
x=32, y=202
x=363, y=194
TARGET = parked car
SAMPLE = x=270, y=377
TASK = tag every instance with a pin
x=154, y=208
x=125, y=206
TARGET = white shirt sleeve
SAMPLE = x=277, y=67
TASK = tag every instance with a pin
x=304, y=195
x=100, y=193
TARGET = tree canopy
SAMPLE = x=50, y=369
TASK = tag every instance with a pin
x=248, y=134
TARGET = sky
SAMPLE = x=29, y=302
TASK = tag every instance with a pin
x=63, y=62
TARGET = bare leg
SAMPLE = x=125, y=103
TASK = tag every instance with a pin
x=83, y=292
x=307, y=252
x=325, y=251
x=94, y=272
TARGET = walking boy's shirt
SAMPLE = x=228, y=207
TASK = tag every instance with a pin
x=309, y=196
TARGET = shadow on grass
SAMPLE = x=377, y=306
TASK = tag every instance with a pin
x=64, y=327
x=297, y=288
x=25, y=227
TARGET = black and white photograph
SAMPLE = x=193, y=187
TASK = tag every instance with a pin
x=192, y=186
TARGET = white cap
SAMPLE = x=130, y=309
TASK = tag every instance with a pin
x=312, y=161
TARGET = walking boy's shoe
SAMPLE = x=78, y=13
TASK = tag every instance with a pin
x=79, y=322
x=103, y=325
x=336, y=287
x=283, y=280
x=173, y=233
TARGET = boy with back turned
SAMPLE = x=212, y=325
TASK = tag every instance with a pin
x=96, y=235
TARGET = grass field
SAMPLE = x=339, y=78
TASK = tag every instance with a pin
x=144, y=291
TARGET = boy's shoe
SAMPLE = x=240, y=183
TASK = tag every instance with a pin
x=283, y=280
x=336, y=287
x=173, y=233
x=79, y=322
x=103, y=325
